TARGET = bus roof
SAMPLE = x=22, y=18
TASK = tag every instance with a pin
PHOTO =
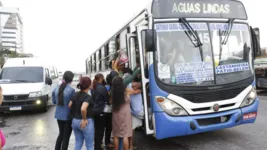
x=227, y=9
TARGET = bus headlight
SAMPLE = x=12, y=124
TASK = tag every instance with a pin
x=170, y=107
x=35, y=94
x=250, y=98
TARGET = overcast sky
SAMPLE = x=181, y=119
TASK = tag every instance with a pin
x=66, y=32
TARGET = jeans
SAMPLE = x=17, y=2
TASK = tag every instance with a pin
x=63, y=138
x=81, y=135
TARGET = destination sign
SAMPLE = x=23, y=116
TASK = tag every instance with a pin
x=232, y=68
x=198, y=9
x=193, y=72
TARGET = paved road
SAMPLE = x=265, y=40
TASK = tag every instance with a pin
x=38, y=131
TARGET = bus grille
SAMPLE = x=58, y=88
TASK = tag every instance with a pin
x=212, y=96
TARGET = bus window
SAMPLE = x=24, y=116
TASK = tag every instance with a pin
x=106, y=60
x=103, y=66
x=117, y=42
x=112, y=49
x=122, y=41
x=93, y=63
x=97, y=61
x=89, y=67
x=134, y=49
x=144, y=54
x=86, y=67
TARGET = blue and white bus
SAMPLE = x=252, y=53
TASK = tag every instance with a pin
x=196, y=59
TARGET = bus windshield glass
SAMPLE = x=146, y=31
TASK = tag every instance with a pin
x=180, y=62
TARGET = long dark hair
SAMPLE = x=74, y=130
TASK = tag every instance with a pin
x=97, y=78
x=118, y=93
x=67, y=77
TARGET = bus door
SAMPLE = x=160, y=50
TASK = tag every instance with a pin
x=134, y=45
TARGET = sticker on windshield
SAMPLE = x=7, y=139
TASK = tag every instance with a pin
x=164, y=27
x=164, y=71
x=193, y=72
x=222, y=69
x=224, y=26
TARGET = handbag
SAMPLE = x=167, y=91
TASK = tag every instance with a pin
x=3, y=138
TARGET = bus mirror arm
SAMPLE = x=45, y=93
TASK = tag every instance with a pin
x=150, y=40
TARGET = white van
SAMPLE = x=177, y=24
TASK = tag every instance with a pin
x=27, y=84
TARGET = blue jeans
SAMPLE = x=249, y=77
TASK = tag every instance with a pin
x=120, y=143
x=87, y=134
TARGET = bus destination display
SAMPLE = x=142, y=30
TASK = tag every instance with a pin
x=198, y=9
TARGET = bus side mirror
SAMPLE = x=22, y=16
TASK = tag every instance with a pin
x=255, y=34
x=150, y=40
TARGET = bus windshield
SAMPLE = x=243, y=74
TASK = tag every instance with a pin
x=179, y=60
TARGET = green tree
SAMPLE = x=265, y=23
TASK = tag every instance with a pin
x=4, y=52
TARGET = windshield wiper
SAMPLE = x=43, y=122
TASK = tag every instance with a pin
x=26, y=81
x=220, y=43
x=193, y=36
x=226, y=34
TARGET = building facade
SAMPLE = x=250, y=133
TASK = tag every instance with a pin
x=11, y=29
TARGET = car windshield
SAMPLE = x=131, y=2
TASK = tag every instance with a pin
x=22, y=74
x=181, y=62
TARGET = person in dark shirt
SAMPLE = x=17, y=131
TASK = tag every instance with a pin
x=101, y=111
x=81, y=105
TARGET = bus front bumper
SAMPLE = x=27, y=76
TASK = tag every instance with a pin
x=168, y=126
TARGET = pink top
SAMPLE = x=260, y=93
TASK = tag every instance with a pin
x=2, y=138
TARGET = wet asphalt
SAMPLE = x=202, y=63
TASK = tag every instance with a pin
x=38, y=131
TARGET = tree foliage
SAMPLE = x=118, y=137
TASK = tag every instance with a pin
x=8, y=54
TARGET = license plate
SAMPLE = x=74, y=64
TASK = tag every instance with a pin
x=15, y=108
x=250, y=116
